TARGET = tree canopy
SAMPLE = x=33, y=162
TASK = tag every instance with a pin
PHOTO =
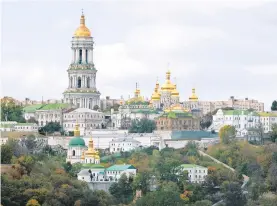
x=142, y=126
x=274, y=106
x=227, y=133
x=10, y=111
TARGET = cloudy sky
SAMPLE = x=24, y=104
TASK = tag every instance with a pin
x=222, y=48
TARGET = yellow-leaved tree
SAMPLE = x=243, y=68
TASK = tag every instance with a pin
x=32, y=202
x=227, y=133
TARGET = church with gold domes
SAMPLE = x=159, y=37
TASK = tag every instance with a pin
x=166, y=96
x=78, y=152
x=82, y=91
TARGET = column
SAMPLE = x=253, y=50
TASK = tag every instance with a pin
x=83, y=56
x=85, y=82
x=73, y=55
x=77, y=56
x=91, y=55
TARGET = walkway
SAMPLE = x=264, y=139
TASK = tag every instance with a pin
x=245, y=178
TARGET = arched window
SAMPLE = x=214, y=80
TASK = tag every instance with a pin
x=79, y=82
x=88, y=82
x=73, y=153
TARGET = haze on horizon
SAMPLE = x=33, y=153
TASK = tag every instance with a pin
x=222, y=48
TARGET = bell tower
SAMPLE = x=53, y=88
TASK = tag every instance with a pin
x=81, y=91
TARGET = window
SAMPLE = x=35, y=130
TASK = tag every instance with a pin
x=80, y=56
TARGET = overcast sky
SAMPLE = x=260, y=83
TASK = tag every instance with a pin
x=222, y=48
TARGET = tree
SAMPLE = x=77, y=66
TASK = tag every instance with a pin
x=32, y=120
x=27, y=162
x=51, y=127
x=274, y=106
x=233, y=194
x=116, y=106
x=273, y=133
x=122, y=190
x=32, y=202
x=206, y=121
x=6, y=154
x=10, y=111
x=203, y=203
x=142, y=182
x=227, y=133
x=142, y=126
x=96, y=107
x=160, y=198
x=272, y=177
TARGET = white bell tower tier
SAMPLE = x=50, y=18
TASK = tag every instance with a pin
x=82, y=91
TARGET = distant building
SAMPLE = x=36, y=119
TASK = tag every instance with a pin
x=108, y=103
x=88, y=119
x=26, y=127
x=123, y=144
x=210, y=106
x=18, y=127
x=242, y=120
x=196, y=173
x=51, y=113
x=176, y=118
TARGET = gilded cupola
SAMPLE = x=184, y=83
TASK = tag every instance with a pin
x=167, y=86
x=82, y=30
x=193, y=96
x=156, y=95
x=175, y=92
x=91, y=151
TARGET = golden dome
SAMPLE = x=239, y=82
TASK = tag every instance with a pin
x=168, y=86
x=156, y=95
x=82, y=31
x=175, y=92
x=193, y=96
x=77, y=130
x=91, y=152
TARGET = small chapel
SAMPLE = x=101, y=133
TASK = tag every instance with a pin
x=79, y=152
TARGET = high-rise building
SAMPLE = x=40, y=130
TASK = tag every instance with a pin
x=82, y=91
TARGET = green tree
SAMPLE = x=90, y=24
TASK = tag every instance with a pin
x=10, y=111
x=51, y=127
x=96, y=107
x=142, y=182
x=122, y=190
x=27, y=162
x=274, y=106
x=233, y=194
x=273, y=133
x=227, y=133
x=6, y=154
x=206, y=121
x=203, y=203
x=272, y=177
x=160, y=198
x=142, y=126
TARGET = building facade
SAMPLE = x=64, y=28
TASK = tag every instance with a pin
x=87, y=119
x=210, y=106
x=243, y=120
x=51, y=113
x=196, y=173
x=81, y=90
x=176, y=118
x=123, y=145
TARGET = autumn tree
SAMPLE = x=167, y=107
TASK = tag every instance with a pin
x=32, y=202
x=227, y=133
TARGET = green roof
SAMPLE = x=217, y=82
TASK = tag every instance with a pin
x=55, y=106
x=120, y=167
x=7, y=125
x=92, y=166
x=32, y=108
x=176, y=114
x=192, y=134
x=267, y=114
x=239, y=112
x=191, y=166
x=77, y=141
x=24, y=124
